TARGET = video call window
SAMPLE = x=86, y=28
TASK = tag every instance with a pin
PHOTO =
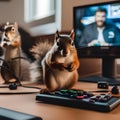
x=85, y=15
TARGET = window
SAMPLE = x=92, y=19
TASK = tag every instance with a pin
x=39, y=9
x=43, y=16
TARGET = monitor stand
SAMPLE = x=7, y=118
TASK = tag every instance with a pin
x=108, y=73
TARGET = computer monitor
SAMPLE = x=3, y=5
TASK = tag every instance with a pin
x=97, y=35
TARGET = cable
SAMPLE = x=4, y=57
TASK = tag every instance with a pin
x=30, y=87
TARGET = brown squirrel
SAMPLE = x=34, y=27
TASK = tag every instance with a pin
x=11, y=45
x=60, y=64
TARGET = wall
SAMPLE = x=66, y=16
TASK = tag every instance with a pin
x=12, y=11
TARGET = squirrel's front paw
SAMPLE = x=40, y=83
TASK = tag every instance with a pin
x=71, y=67
x=59, y=66
x=42, y=91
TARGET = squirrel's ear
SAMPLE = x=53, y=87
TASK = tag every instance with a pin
x=57, y=34
x=72, y=34
x=16, y=25
x=7, y=23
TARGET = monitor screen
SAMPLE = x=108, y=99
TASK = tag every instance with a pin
x=97, y=25
x=97, y=29
x=97, y=34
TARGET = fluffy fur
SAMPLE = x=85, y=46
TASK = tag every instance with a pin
x=38, y=51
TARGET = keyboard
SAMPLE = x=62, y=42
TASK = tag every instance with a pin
x=7, y=114
x=80, y=99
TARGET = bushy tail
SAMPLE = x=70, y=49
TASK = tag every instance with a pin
x=38, y=51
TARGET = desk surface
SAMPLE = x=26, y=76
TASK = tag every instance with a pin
x=26, y=103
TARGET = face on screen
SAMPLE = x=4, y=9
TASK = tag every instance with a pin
x=100, y=18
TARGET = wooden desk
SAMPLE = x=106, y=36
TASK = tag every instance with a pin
x=27, y=103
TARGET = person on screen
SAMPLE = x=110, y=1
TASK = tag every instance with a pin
x=100, y=33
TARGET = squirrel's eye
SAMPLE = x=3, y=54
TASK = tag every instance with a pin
x=13, y=29
x=72, y=43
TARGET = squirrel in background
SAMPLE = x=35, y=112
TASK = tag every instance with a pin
x=60, y=63
x=11, y=46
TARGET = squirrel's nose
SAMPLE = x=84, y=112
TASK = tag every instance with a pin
x=65, y=52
